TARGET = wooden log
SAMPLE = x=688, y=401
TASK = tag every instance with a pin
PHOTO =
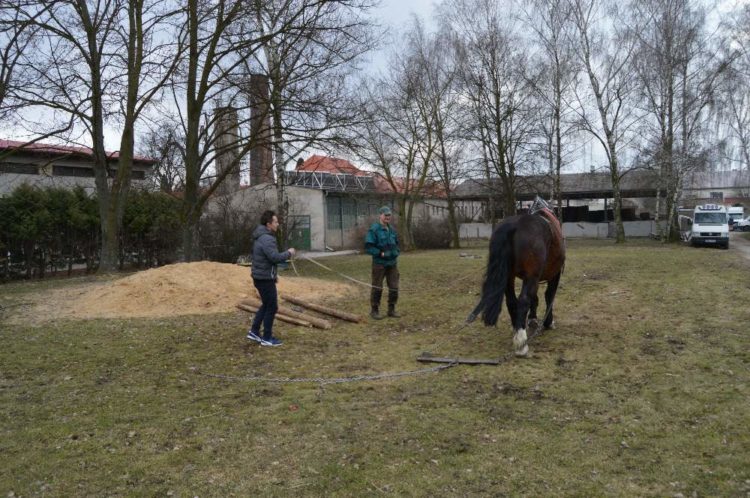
x=283, y=318
x=323, y=309
x=463, y=361
x=314, y=320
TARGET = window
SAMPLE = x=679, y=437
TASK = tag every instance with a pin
x=72, y=171
x=710, y=218
x=333, y=211
x=19, y=168
x=349, y=210
x=717, y=196
x=363, y=208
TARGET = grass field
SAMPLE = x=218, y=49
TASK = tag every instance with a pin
x=642, y=390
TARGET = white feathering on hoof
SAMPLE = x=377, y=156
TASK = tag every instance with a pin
x=519, y=341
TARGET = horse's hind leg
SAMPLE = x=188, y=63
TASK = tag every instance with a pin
x=510, y=299
x=528, y=290
x=549, y=299
x=533, y=323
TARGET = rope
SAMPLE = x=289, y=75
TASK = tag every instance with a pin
x=366, y=284
x=344, y=275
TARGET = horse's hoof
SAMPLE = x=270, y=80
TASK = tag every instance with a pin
x=533, y=325
x=521, y=353
x=551, y=326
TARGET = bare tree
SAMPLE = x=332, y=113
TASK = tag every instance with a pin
x=99, y=61
x=735, y=88
x=308, y=65
x=434, y=73
x=289, y=44
x=165, y=144
x=19, y=40
x=216, y=33
x=390, y=138
x=604, y=53
x=550, y=22
x=16, y=37
x=495, y=86
x=678, y=73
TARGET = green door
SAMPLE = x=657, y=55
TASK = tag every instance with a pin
x=299, y=232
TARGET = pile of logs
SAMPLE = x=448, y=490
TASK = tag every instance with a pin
x=288, y=315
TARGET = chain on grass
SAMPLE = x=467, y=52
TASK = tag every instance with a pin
x=327, y=380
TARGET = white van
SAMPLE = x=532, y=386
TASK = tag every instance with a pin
x=735, y=213
x=710, y=226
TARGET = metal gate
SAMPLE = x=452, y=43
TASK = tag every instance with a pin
x=299, y=232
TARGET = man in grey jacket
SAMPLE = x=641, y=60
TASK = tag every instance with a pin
x=265, y=274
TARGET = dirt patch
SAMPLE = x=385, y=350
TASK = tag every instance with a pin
x=179, y=289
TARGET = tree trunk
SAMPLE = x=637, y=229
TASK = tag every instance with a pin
x=405, y=211
x=453, y=223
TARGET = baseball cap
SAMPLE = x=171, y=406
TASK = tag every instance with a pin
x=384, y=210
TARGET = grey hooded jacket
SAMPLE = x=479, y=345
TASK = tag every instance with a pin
x=265, y=254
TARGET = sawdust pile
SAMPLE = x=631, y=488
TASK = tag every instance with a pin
x=179, y=289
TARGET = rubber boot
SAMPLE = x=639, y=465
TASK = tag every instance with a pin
x=392, y=311
x=375, y=314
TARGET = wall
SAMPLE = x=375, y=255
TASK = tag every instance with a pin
x=10, y=181
x=582, y=230
x=302, y=201
x=474, y=230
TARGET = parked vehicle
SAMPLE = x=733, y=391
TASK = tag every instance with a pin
x=735, y=213
x=742, y=225
x=710, y=226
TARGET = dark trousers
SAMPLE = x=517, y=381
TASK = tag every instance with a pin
x=267, y=311
x=390, y=273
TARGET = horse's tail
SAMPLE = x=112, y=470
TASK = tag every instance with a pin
x=496, y=277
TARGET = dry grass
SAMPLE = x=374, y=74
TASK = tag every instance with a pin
x=641, y=391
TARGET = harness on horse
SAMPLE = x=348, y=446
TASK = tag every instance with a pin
x=538, y=207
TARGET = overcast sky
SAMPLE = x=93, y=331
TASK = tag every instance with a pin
x=397, y=12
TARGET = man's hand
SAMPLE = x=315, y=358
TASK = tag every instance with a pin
x=292, y=251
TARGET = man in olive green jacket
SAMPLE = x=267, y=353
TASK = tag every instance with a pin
x=381, y=242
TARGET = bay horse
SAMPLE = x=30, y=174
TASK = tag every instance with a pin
x=530, y=247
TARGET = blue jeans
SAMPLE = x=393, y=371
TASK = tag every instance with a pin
x=267, y=311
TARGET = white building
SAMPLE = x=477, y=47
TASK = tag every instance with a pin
x=48, y=165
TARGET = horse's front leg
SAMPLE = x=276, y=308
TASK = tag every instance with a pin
x=525, y=300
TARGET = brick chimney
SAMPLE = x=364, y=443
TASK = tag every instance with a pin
x=227, y=144
x=261, y=156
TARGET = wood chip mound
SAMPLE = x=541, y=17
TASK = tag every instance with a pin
x=179, y=289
